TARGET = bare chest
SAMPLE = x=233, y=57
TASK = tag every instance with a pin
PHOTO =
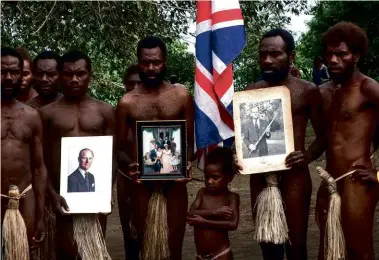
x=15, y=127
x=77, y=121
x=299, y=102
x=214, y=202
x=162, y=107
x=345, y=107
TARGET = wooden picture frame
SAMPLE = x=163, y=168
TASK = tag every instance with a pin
x=162, y=158
x=263, y=146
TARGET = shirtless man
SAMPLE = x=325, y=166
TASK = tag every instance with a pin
x=351, y=110
x=26, y=92
x=21, y=149
x=154, y=99
x=46, y=79
x=276, y=52
x=75, y=114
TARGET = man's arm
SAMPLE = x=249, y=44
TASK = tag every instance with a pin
x=318, y=146
x=39, y=175
x=370, y=89
x=46, y=151
x=57, y=200
x=125, y=163
x=230, y=224
x=109, y=115
x=188, y=115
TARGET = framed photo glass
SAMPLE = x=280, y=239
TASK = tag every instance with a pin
x=86, y=173
x=162, y=149
x=263, y=129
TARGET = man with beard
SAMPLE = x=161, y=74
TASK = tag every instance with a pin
x=154, y=99
x=22, y=162
x=350, y=104
x=46, y=79
x=26, y=91
x=276, y=53
x=75, y=114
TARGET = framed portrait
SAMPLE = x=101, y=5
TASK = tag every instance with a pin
x=86, y=173
x=162, y=149
x=263, y=129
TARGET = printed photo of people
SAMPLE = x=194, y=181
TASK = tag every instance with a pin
x=81, y=180
x=161, y=149
x=262, y=128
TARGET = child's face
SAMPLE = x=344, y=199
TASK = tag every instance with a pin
x=214, y=178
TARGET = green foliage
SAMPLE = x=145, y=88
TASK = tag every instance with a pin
x=259, y=17
x=182, y=64
x=108, y=31
x=326, y=14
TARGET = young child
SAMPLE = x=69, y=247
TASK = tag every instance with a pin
x=216, y=209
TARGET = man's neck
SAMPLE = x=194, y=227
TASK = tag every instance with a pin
x=77, y=99
x=283, y=82
x=153, y=89
x=24, y=95
x=350, y=81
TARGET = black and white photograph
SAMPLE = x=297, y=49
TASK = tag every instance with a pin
x=162, y=149
x=263, y=128
x=86, y=173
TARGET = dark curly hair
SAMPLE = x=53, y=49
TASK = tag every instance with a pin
x=222, y=157
x=354, y=37
x=132, y=69
x=285, y=35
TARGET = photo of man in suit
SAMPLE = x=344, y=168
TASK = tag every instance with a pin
x=252, y=131
x=81, y=180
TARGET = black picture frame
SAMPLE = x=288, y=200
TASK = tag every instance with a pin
x=158, y=163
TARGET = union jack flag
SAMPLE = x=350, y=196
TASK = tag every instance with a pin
x=220, y=38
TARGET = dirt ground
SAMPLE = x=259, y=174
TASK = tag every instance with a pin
x=243, y=243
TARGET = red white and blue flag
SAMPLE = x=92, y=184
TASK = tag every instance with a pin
x=220, y=38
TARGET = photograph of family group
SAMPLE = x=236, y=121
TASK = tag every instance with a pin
x=162, y=150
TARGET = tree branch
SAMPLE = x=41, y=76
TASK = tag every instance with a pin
x=47, y=17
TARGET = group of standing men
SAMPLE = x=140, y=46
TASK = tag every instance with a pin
x=343, y=112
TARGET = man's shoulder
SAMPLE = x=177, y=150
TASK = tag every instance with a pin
x=106, y=109
x=257, y=85
x=33, y=102
x=126, y=99
x=303, y=83
x=369, y=84
x=50, y=109
x=181, y=92
x=73, y=175
x=30, y=114
x=326, y=87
